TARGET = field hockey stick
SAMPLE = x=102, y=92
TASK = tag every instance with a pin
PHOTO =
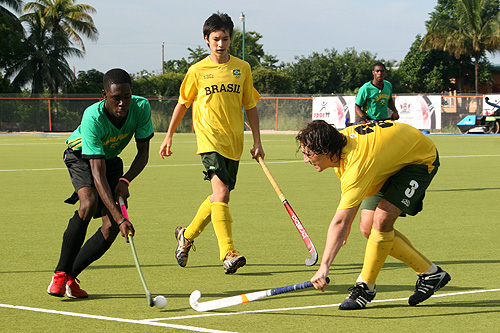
x=243, y=298
x=362, y=122
x=134, y=254
x=300, y=228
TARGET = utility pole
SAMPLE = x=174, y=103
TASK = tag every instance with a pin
x=242, y=19
x=163, y=58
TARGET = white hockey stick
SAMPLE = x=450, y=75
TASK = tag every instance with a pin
x=243, y=298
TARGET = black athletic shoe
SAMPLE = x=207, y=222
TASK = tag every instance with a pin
x=359, y=296
x=183, y=246
x=427, y=285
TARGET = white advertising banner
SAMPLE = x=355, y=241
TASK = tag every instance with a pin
x=420, y=111
x=334, y=109
x=490, y=109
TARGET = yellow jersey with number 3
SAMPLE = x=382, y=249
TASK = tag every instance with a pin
x=374, y=152
x=217, y=93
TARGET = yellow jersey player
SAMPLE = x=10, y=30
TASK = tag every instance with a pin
x=217, y=87
x=395, y=159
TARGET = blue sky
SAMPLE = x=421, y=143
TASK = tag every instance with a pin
x=131, y=33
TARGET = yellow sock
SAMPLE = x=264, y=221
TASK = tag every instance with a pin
x=377, y=249
x=403, y=250
x=221, y=220
x=200, y=220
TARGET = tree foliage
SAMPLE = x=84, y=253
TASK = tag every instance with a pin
x=66, y=17
x=8, y=19
x=11, y=34
x=315, y=74
x=89, y=82
x=254, y=51
x=35, y=50
x=197, y=54
x=430, y=70
x=465, y=28
x=164, y=85
x=53, y=27
x=269, y=81
x=44, y=63
x=331, y=72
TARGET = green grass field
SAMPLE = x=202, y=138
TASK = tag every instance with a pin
x=458, y=229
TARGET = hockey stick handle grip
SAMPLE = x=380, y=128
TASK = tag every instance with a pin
x=271, y=178
x=125, y=215
x=303, y=285
x=123, y=207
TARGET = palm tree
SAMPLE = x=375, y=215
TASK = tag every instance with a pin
x=11, y=32
x=465, y=27
x=44, y=64
x=67, y=17
x=53, y=28
x=9, y=18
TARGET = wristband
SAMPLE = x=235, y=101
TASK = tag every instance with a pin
x=125, y=180
x=119, y=224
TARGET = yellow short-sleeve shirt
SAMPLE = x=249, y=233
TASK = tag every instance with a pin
x=217, y=93
x=376, y=151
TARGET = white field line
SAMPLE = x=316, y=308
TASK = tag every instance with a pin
x=152, y=166
x=155, y=321
x=312, y=306
x=122, y=320
x=243, y=163
x=467, y=156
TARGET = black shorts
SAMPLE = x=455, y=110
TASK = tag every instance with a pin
x=406, y=189
x=225, y=168
x=81, y=175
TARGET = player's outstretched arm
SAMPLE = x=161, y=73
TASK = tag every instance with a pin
x=178, y=114
x=337, y=232
x=253, y=120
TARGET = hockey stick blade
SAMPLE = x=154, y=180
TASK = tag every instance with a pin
x=242, y=298
x=313, y=260
x=305, y=236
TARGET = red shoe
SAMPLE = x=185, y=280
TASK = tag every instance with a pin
x=57, y=286
x=73, y=289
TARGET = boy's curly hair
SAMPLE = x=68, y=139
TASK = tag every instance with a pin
x=322, y=139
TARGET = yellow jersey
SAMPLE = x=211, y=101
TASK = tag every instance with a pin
x=217, y=93
x=376, y=151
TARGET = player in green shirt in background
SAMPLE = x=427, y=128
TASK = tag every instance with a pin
x=96, y=172
x=372, y=101
x=375, y=96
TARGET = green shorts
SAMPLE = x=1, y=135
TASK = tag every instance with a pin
x=405, y=190
x=225, y=168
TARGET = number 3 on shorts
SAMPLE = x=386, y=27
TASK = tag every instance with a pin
x=410, y=191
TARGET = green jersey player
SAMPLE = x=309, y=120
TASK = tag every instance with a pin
x=97, y=175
